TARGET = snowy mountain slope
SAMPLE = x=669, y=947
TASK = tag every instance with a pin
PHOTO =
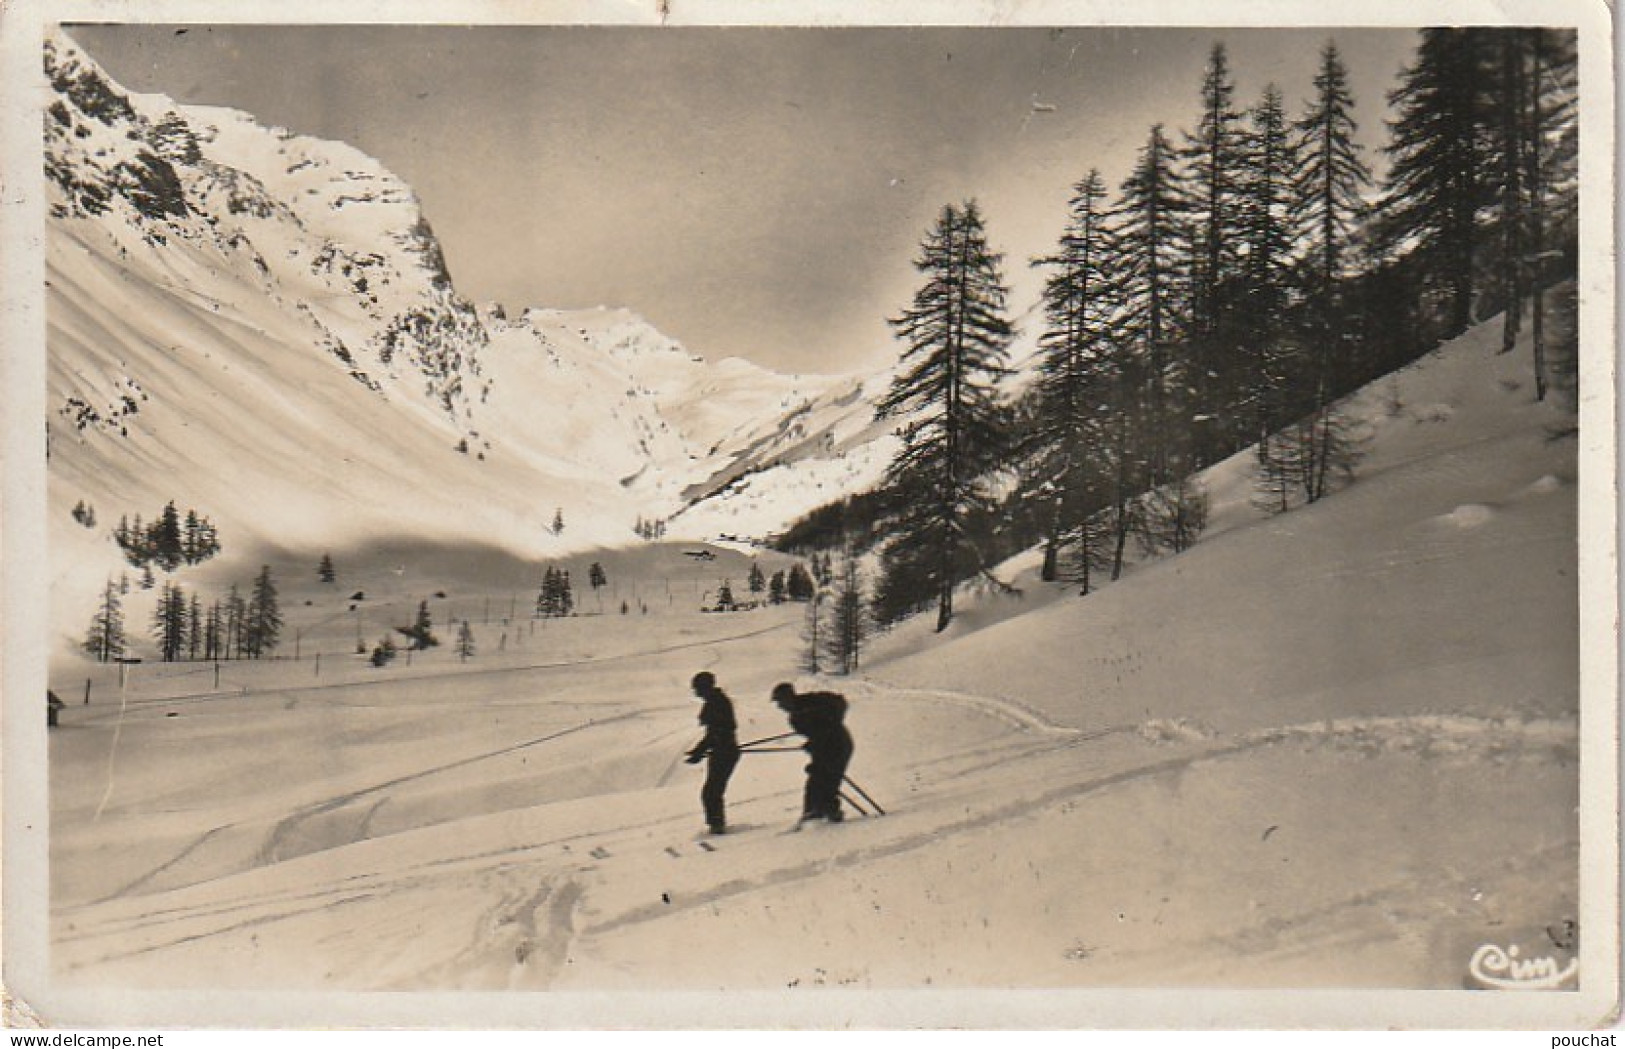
x=818, y=451
x=322, y=232
x=821, y=450
x=1466, y=488
x=1331, y=749
x=260, y=325
x=623, y=403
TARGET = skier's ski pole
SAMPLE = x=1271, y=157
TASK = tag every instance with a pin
x=853, y=802
x=853, y=784
x=770, y=750
x=664, y=776
x=767, y=739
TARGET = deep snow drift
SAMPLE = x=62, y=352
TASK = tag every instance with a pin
x=1335, y=748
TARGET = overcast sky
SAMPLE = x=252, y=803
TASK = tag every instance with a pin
x=758, y=192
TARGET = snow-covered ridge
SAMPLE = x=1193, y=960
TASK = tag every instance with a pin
x=261, y=325
x=312, y=243
x=317, y=227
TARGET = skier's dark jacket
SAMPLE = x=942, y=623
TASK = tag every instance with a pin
x=721, y=731
x=819, y=717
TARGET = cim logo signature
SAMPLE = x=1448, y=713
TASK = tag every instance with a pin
x=1510, y=969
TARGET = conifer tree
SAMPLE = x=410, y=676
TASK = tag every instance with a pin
x=1330, y=206
x=1267, y=209
x=423, y=628
x=848, y=625
x=214, y=632
x=236, y=618
x=955, y=334
x=555, y=598
x=325, y=571
x=207, y=541
x=194, y=627
x=756, y=580
x=1329, y=185
x=1153, y=318
x=1551, y=178
x=192, y=538
x=1437, y=183
x=1151, y=239
x=169, y=623
x=799, y=584
x=105, y=640
x=165, y=539
x=262, y=621
x=1215, y=159
x=383, y=653
x=1070, y=448
x=813, y=636
x=776, y=588
x=1530, y=97
x=465, y=642
x=725, y=597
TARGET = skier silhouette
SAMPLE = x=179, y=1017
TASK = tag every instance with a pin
x=819, y=716
x=720, y=745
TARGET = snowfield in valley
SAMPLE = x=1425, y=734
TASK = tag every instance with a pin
x=1344, y=759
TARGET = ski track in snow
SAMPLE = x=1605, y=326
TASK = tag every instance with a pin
x=532, y=933
x=1012, y=711
x=290, y=828
x=290, y=836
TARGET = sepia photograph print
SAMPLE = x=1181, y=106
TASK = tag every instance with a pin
x=657, y=516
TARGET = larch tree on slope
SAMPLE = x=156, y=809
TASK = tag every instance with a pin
x=848, y=619
x=1330, y=207
x=262, y=622
x=1437, y=184
x=1078, y=437
x=956, y=335
x=1275, y=356
x=1483, y=166
x=1214, y=157
x=1152, y=322
x=1530, y=141
x=236, y=615
x=105, y=640
x=169, y=623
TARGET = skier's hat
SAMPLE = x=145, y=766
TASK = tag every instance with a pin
x=703, y=680
x=784, y=693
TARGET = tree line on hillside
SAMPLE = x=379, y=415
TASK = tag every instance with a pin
x=1241, y=281
x=168, y=542
x=234, y=626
